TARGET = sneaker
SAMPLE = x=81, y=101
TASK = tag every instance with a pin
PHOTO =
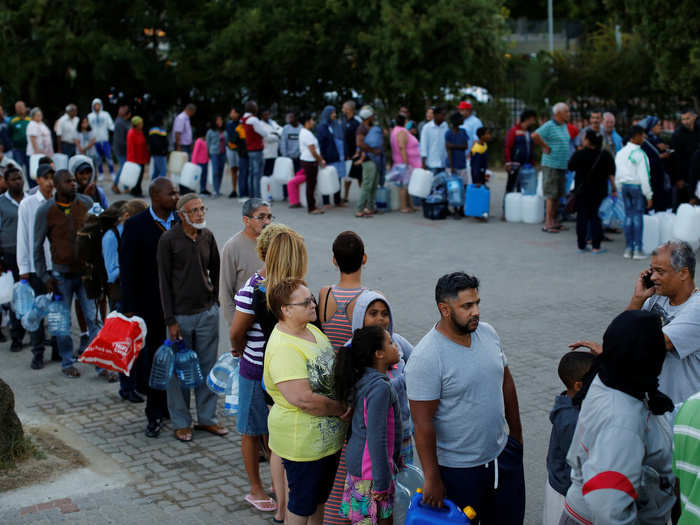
x=599, y=251
x=639, y=256
x=37, y=363
x=627, y=254
x=233, y=195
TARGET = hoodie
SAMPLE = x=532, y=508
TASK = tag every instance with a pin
x=100, y=122
x=396, y=375
x=632, y=167
x=372, y=452
x=74, y=163
x=563, y=416
x=324, y=133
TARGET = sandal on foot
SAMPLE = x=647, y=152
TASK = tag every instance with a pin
x=183, y=434
x=217, y=430
x=258, y=503
x=550, y=230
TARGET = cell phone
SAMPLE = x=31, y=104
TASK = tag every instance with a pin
x=648, y=283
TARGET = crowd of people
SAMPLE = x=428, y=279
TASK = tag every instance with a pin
x=328, y=390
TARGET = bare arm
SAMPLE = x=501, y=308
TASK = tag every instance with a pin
x=510, y=400
x=177, y=140
x=298, y=393
x=318, y=157
x=422, y=413
x=536, y=139
x=402, y=141
x=239, y=330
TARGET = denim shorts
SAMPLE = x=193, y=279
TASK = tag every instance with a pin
x=310, y=483
x=252, y=410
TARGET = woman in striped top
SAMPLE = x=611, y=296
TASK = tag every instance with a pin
x=285, y=256
x=335, y=312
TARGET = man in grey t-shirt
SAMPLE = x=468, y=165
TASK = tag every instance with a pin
x=463, y=403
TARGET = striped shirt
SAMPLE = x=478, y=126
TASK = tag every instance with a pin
x=686, y=458
x=556, y=136
x=254, y=352
x=338, y=328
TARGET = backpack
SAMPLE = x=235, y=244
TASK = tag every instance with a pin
x=89, y=239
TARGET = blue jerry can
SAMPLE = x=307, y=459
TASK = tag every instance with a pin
x=476, y=201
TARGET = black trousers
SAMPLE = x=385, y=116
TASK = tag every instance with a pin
x=156, y=400
x=588, y=221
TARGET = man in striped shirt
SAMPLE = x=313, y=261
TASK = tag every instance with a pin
x=553, y=137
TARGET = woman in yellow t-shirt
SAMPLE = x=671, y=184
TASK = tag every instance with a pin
x=307, y=425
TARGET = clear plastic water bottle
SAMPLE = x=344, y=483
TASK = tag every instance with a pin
x=382, y=198
x=218, y=378
x=96, y=209
x=58, y=317
x=528, y=179
x=231, y=399
x=454, y=191
x=402, y=499
x=162, y=369
x=187, y=367
x=22, y=298
x=32, y=320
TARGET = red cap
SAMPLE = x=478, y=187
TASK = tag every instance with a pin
x=464, y=105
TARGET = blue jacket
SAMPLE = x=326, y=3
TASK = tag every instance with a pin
x=564, y=417
x=326, y=143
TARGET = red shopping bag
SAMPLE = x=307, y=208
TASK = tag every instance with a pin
x=118, y=344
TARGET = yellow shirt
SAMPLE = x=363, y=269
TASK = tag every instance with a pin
x=296, y=435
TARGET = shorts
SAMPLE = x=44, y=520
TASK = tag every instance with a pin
x=232, y=158
x=553, y=182
x=252, y=410
x=358, y=505
x=310, y=483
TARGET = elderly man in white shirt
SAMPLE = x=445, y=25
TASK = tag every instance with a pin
x=66, y=129
x=26, y=216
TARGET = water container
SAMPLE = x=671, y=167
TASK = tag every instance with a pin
x=32, y=320
x=220, y=373
x=129, y=177
x=455, y=191
x=411, y=477
x=60, y=160
x=58, y=317
x=540, y=185
x=514, y=207
x=162, y=368
x=176, y=161
x=421, y=183
x=650, y=233
x=477, y=201
x=402, y=500
x=394, y=201
x=666, y=222
x=266, y=188
x=277, y=190
x=7, y=285
x=302, y=196
x=527, y=177
x=22, y=298
x=283, y=171
x=231, y=399
x=96, y=209
x=34, y=164
x=382, y=198
x=187, y=368
x=190, y=175
x=448, y=514
x=533, y=209
x=685, y=228
x=328, y=182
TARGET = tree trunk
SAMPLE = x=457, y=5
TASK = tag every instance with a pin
x=10, y=426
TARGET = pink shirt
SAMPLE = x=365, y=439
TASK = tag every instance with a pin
x=412, y=149
x=200, y=153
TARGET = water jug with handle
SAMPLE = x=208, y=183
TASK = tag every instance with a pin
x=129, y=176
x=218, y=378
x=328, y=182
x=58, y=317
x=22, y=298
x=651, y=233
x=527, y=176
x=231, y=399
x=283, y=171
x=7, y=285
x=455, y=191
x=421, y=183
x=162, y=369
x=32, y=320
x=382, y=198
x=514, y=207
x=402, y=500
x=187, y=368
x=448, y=514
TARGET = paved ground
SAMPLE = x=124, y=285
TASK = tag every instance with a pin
x=536, y=290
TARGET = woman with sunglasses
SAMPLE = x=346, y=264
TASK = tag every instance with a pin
x=307, y=425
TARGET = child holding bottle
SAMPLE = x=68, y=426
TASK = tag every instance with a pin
x=372, y=452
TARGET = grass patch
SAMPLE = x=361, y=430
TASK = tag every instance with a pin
x=21, y=449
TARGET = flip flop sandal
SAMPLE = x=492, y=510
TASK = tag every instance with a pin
x=258, y=503
x=550, y=230
x=184, y=435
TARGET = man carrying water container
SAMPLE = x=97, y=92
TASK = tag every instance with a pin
x=462, y=395
x=188, y=271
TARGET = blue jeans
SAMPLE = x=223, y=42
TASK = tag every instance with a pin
x=70, y=285
x=68, y=148
x=255, y=171
x=243, y=177
x=159, y=166
x=104, y=152
x=217, y=166
x=203, y=178
x=121, y=159
x=635, y=204
x=20, y=157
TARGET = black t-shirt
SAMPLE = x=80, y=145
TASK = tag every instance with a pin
x=592, y=176
x=350, y=129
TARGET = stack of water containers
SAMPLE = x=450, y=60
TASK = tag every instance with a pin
x=31, y=310
x=528, y=205
x=662, y=227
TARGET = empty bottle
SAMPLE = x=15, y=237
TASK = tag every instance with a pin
x=32, y=320
x=382, y=198
x=231, y=399
x=58, y=317
x=96, y=209
x=162, y=369
x=218, y=378
x=187, y=367
x=455, y=196
x=22, y=298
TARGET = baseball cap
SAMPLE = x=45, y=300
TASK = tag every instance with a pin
x=44, y=170
x=464, y=105
x=366, y=112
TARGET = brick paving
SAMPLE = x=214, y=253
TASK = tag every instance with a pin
x=536, y=290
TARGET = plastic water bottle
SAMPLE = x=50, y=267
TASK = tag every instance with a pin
x=32, y=320
x=96, y=209
x=162, y=369
x=58, y=317
x=187, y=367
x=402, y=499
x=382, y=198
x=231, y=399
x=454, y=191
x=22, y=298
x=528, y=179
x=218, y=378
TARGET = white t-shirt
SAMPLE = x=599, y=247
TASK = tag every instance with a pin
x=306, y=139
x=43, y=138
x=67, y=128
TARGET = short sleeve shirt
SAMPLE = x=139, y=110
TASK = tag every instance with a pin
x=470, y=422
x=459, y=156
x=294, y=434
x=306, y=139
x=556, y=136
x=252, y=360
x=680, y=375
